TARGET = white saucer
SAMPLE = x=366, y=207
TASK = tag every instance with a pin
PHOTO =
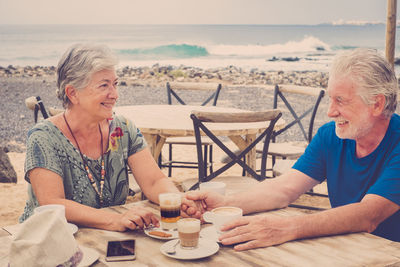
x=174, y=233
x=209, y=233
x=73, y=227
x=205, y=248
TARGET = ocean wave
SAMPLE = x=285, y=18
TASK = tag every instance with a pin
x=308, y=44
x=172, y=51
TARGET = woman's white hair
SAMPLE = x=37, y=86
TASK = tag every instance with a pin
x=372, y=74
x=79, y=63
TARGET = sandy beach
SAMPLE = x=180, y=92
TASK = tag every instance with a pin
x=246, y=90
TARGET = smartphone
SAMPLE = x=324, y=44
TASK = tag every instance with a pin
x=121, y=250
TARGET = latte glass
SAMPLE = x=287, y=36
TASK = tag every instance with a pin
x=189, y=232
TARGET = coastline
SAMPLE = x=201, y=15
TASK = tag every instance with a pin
x=156, y=75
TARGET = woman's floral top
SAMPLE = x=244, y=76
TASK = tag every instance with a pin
x=48, y=148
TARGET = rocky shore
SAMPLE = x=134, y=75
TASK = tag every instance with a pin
x=146, y=85
x=155, y=75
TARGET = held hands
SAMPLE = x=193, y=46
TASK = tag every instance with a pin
x=258, y=231
x=198, y=202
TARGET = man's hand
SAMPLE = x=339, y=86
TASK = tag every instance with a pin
x=204, y=201
x=190, y=208
x=258, y=231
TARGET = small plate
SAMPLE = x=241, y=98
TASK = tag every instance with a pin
x=205, y=248
x=73, y=227
x=173, y=233
x=209, y=233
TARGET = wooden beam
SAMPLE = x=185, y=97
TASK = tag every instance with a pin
x=391, y=30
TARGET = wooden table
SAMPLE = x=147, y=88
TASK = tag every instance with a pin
x=361, y=249
x=344, y=250
x=158, y=122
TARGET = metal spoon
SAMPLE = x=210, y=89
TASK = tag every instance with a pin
x=172, y=249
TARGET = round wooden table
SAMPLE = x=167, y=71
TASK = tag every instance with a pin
x=158, y=122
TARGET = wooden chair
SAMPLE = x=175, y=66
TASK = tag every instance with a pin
x=35, y=104
x=293, y=150
x=175, y=93
x=202, y=119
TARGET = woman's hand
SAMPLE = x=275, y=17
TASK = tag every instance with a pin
x=137, y=218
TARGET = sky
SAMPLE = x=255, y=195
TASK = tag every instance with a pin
x=190, y=11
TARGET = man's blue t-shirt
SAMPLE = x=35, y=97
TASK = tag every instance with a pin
x=350, y=178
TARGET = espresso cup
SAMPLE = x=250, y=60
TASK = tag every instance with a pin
x=218, y=187
x=170, y=209
x=189, y=232
x=222, y=215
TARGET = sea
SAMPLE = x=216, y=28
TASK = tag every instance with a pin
x=263, y=47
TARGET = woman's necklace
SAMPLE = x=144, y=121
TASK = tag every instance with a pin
x=90, y=176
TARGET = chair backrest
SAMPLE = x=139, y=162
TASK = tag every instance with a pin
x=35, y=104
x=174, y=87
x=282, y=91
x=200, y=119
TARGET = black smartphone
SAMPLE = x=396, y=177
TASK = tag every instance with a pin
x=121, y=250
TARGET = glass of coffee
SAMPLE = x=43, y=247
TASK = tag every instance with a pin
x=189, y=232
x=170, y=209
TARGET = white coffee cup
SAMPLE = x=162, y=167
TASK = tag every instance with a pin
x=222, y=215
x=218, y=187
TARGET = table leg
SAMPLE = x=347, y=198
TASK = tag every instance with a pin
x=242, y=143
x=251, y=156
x=155, y=143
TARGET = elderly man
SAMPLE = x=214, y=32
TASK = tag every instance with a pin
x=358, y=154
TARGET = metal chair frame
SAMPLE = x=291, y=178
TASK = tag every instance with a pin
x=297, y=119
x=270, y=117
x=36, y=104
x=208, y=148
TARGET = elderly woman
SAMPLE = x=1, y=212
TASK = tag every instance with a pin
x=79, y=158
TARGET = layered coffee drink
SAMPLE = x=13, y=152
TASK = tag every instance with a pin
x=189, y=232
x=170, y=209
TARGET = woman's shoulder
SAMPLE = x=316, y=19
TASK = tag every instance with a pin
x=44, y=127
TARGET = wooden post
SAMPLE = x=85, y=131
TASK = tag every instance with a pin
x=391, y=30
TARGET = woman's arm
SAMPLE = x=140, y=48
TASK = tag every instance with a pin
x=148, y=175
x=49, y=189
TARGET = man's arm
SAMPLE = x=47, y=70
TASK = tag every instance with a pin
x=273, y=193
x=364, y=216
x=263, y=231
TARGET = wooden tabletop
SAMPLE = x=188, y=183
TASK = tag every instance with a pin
x=158, y=122
x=361, y=249
x=174, y=120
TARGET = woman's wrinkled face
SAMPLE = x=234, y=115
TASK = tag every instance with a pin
x=100, y=95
